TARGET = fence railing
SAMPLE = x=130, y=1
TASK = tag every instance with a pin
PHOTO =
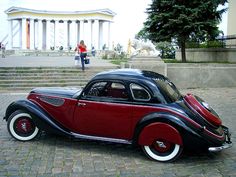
x=220, y=42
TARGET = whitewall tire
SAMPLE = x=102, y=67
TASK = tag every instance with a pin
x=163, y=151
x=21, y=126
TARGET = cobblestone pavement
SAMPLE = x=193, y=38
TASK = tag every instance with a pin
x=52, y=155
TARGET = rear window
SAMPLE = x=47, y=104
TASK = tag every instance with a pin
x=139, y=93
x=168, y=89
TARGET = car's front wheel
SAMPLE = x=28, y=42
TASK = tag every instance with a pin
x=163, y=151
x=21, y=126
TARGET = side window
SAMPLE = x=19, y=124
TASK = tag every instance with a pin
x=139, y=93
x=114, y=90
x=97, y=89
x=117, y=90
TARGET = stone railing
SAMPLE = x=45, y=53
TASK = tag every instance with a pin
x=209, y=54
x=190, y=75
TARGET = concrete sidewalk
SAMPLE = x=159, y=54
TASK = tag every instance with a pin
x=41, y=61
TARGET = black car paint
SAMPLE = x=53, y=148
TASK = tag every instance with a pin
x=143, y=78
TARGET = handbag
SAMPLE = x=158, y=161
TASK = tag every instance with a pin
x=77, y=60
x=86, y=61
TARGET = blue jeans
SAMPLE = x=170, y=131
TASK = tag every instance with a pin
x=83, y=56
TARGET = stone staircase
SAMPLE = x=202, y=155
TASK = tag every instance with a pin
x=23, y=79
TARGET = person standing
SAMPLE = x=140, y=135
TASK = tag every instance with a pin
x=93, y=52
x=83, y=52
x=3, y=51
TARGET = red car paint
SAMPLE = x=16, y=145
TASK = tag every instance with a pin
x=103, y=119
x=191, y=100
x=155, y=131
x=123, y=106
x=64, y=114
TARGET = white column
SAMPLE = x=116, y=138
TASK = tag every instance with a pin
x=95, y=36
x=23, y=33
x=10, y=37
x=65, y=46
x=48, y=36
x=81, y=30
x=40, y=34
x=89, y=35
x=109, y=35
x=101, y=42
x=57, y=45
x=73, y=34
x=31, y=34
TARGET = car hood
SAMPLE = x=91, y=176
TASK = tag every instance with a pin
x=67, y=92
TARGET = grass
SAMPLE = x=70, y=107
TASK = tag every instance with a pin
x=118, y=61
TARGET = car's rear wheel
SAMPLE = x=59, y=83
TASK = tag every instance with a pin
x=21, y=126
x=163, y=151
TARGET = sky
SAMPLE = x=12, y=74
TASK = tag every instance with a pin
x=128, y=21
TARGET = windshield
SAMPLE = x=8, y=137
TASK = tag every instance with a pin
x=168, y=89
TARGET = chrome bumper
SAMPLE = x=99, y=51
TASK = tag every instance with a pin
x=220, y=148
x=226, y=145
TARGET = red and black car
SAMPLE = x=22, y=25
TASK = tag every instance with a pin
x=124, y=106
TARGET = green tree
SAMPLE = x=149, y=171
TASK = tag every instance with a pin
x=182, y=20
x=167, y=49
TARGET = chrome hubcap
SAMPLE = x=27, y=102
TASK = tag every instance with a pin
x=161, y=144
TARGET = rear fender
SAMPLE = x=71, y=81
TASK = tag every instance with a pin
x=175, y=123
x=159, y=130
x=40, y=117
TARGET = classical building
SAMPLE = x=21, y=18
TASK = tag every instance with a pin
x=51, y=30
x=231, y=26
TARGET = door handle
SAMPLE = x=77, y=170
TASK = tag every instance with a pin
x=81, y=104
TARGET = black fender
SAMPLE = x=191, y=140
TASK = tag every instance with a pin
x=40, y=117
x=163, y=117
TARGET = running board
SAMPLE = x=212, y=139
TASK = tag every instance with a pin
x=89, y=137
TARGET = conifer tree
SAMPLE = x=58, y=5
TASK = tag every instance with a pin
x=180, y=19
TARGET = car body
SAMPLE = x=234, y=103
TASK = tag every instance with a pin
x=127, y=106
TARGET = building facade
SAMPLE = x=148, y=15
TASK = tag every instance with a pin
x=231, y=26
x=30, y=29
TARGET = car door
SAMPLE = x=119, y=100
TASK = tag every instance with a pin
x=104, y=110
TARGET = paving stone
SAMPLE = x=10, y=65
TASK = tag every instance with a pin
x=52, y=155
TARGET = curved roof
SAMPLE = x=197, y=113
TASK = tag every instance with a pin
x=17, y=12
x=20, y=9
x=129, y=73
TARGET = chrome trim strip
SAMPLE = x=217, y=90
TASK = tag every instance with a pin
x=220, y=148
x=89, y=137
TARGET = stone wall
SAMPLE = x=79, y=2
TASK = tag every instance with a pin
x=191, y=75
x=188, y=75
x=209, y=55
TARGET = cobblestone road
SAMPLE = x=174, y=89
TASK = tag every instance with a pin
x=59, y=156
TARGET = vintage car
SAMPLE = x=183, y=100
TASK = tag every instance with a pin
x=127, y=106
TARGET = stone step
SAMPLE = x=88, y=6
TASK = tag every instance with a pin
x=50, y=70
x=44, y=84
x=46, y=80
x=45, y=77
x=28, y=88
x=12, y=79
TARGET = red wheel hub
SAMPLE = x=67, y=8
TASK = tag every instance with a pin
x=162, y=145
x=23, y=125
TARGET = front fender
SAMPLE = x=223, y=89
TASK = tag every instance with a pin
x=40, y=117
x=157, y=123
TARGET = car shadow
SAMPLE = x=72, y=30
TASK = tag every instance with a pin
x=101, y=148
x=92, y=146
